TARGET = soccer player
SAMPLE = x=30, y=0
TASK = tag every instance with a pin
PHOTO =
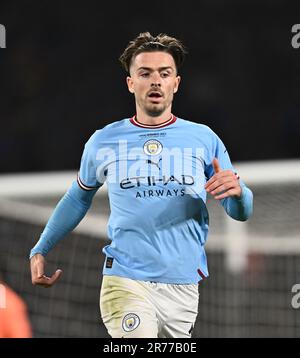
x=158, y=169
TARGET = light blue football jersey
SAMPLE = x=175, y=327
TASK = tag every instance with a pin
x=155, y=177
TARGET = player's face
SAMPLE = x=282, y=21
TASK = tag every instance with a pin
x=153, y=80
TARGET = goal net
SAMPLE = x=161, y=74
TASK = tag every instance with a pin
x=253, y=265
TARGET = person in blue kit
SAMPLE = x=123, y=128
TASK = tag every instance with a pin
x=158, y=169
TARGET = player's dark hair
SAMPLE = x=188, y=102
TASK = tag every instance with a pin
x=145, y=42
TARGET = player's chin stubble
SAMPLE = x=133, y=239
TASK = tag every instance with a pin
x=155, y=110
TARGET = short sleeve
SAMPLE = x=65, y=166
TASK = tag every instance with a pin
x=87, y=175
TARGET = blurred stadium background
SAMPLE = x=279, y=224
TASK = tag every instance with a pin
x=60, y=80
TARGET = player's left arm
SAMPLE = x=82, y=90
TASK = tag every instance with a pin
x=225, y=185
x=235, y=197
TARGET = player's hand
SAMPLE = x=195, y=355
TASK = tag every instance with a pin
x=223, y=183
x=37, y=265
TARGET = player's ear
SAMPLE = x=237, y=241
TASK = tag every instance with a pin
x=177, y=81
x=130, y=84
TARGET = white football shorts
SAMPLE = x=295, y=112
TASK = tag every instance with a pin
x=142, y=309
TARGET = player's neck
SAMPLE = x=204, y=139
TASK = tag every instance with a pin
x=144, y=118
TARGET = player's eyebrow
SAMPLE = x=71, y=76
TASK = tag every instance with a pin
x=153, y=69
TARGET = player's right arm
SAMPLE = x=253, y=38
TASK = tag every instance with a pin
x=67, y=215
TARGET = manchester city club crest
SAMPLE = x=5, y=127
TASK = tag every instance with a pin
x=130, y=322
x=153, y=147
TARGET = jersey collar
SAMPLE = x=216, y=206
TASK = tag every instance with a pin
x=134, y=121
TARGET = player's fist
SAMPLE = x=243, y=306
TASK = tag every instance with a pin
x=38, y=277
x=223, y=183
